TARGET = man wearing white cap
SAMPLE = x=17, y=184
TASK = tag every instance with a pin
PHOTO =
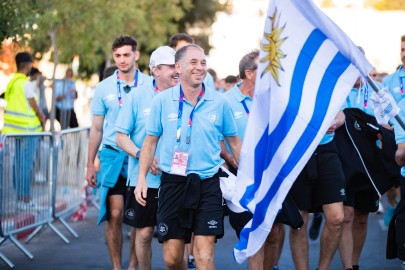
x=131, y=132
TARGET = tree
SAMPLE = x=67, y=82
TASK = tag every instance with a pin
x=200, y=17
x=16, y=18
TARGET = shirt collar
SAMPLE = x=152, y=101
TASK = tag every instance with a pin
x=208, y=95
x=238, y=93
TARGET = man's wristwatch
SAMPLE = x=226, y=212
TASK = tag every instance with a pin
x=137, y=155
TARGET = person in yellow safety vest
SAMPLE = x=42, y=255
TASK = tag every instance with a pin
x=22, y=113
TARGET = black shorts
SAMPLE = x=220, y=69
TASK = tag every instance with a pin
x=361, y=195
x=119, y=188
x=239, y=220
x=321, y=182
x=208, y=217
x=139, y=216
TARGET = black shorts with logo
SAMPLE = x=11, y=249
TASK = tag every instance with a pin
x=138, y=216
x=322, y=180
x=207, y=218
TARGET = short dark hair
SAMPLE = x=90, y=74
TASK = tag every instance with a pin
x=403, y=38
x=22, y=59
x=231, y=79
x=177, y=37
x=182, y=51
x=124, y=40
x=248, y=62
x=34, y=71
x=213, y=73
x=109, y=71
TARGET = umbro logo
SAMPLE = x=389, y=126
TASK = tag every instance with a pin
x=146, y=111
x=238, y=115
x=172, y=116
x=110, y=97
x=212, y=224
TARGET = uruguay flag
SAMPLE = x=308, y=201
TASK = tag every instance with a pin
x=307, y=68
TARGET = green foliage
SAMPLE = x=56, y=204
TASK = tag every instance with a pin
x=16, y=18
x=88, y=28
x=386, y=4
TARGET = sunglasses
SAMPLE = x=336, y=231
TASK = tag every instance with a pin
x=127, y=88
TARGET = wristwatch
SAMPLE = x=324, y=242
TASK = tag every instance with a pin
x=137, y=155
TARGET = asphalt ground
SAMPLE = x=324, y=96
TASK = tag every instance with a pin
x=89, y=250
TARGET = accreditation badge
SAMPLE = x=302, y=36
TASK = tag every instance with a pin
x=179, y=162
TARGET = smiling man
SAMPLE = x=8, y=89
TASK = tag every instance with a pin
x=187, y=120
x=108, y=99
x=131, y=131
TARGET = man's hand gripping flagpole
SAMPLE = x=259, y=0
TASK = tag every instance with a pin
x=385, y=106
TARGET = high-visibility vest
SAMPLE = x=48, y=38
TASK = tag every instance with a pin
x=18, y=116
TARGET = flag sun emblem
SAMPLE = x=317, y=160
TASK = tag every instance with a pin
x=273, y=48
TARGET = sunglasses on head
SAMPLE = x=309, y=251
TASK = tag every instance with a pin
x=127, y=88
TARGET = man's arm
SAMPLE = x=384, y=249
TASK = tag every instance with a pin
x=37, y=111
x=227, y=156
x=145, y=161
x=235, y=144
x=337, y=122
x=125, y=143
x=400, y=154
x=96, y=134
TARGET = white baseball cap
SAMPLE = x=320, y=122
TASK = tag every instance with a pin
x=163, y=55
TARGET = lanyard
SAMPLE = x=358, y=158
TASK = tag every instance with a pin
x=119, y=86
x=155, y=88
x=190, y=119
x=365, y=95
x=401, y=85
x=245, y=107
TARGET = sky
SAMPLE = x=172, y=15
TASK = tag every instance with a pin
x=235, y=34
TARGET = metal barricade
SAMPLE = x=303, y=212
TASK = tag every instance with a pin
x=71, y=151
x=25, y=187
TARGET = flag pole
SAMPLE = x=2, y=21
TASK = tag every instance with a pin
x=375, y=88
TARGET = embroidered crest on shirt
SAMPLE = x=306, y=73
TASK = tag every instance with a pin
x=213, y=116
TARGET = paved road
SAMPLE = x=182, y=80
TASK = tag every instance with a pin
x=90, y=252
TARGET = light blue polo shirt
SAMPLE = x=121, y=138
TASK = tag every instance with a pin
x=398, y=130
x=356, y=98
x=105, y=103
x=132, y=121
x=212, y=116
x=64, y=89
x=393, y=81
x=235, y=98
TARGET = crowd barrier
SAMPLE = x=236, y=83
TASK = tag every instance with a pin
x=41, y=181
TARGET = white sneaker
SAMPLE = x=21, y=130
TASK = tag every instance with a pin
x=27, y=206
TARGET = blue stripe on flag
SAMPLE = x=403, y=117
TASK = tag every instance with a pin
x=336, y=68
x=273, y=141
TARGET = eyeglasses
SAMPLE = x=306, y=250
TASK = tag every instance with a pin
x=127, y=88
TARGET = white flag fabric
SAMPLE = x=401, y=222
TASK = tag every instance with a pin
x=307, y=68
